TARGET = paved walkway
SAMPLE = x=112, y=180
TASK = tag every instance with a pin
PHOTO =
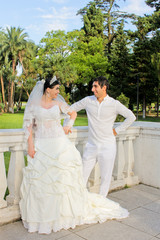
x=143, y=203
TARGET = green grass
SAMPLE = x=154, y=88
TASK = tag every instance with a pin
x=9, y=120
x=7, y=158
x=81, y=119
x=13, y=121
x=149, y=119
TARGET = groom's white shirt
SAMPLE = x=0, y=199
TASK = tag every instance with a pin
x=101, y=117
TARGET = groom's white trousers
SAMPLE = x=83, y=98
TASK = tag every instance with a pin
x=105, y=154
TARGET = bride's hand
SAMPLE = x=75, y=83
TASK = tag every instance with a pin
x=31, y=151
x=67, y=130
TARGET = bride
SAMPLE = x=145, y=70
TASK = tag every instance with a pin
x=53, y=193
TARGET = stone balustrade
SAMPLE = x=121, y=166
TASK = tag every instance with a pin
x=11, y=140
x=137, y=160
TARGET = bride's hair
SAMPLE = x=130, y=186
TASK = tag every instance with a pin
x=50, y=82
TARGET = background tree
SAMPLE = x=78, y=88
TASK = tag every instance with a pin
x=2, y=59
x=89, y=61
x=153, y=3
x=52, y=55
x=125, y=101
x=120, y=75
x=142, y=60
x=93, y=22
x=156, y=66
x=88, y=56
x=112, y=17
x=13, y=43
x=26, y=80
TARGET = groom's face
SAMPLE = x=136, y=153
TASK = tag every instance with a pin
x=98, y=91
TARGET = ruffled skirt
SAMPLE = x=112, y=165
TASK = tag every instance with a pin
x=53, y=193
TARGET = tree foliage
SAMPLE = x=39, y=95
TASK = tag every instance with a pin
x=153, y=3
x=14, y=51
x=112, y=17
x=121, y=63
x=93, y=22
x=101, y=47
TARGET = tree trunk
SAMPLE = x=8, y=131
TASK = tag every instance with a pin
x=137, y=97
x=1, y=108
x=11, y=106
x=25, y=90
x=144, y=106
x=12, y=97
x=149, y=109
x=9, y=95
x=19, y=100
x=158, y=100
x=3, y=94
x=109, y=27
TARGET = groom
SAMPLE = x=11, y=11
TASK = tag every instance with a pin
x=102, y=111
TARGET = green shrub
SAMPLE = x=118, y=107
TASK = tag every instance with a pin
x=125, y=101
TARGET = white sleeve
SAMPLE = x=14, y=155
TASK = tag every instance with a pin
x=28, y=120
x=82, y=104
x=126, y=113
x=65, y=108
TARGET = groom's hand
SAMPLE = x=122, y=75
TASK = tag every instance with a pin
x=114, y=132
x=67, y=130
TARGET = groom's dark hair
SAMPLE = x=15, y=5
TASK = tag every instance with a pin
x=102, y=81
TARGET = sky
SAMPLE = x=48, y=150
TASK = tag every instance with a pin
x=37, y=17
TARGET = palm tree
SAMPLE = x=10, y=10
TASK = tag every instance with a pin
x=2, y=60
x=25, y=81
x=13, y=44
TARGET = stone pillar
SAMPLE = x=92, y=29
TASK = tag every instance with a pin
x=128, y=171
x=120, y=159
x=3, y=179
x=15, y=174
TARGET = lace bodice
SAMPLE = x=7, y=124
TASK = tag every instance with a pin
x=48, y=122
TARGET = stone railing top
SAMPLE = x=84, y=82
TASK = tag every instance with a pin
x=9, y=135
x=11, y=131
x=20, y=131
x=149, y=125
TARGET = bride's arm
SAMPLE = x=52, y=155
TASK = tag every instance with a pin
x=28, y=123
x=67, y=128
x=65, y=108
x=31, y=149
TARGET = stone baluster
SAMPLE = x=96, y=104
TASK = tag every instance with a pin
x=128, y=171
x=15, y=174
x=3, y=179
x=84, y=145
x=120, y=159
x=96, y=175
x=94, y=179
x=79, y=146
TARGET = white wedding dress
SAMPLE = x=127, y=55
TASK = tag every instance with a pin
x=53, y=193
